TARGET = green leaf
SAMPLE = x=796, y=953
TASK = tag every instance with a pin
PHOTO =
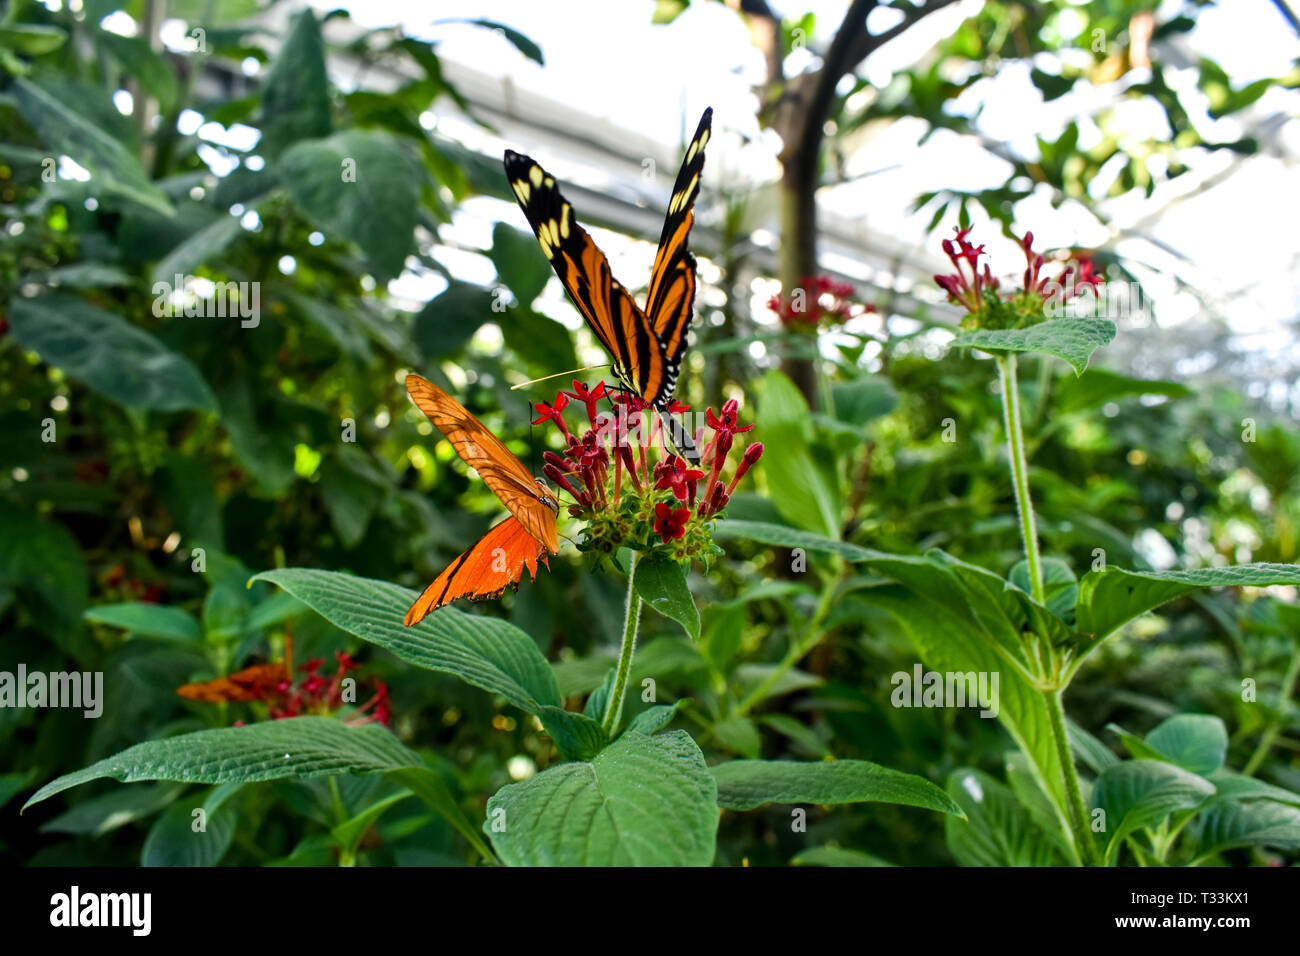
x=520, y=42
x=1138, y=794
x=42, y=562
x=173, y=841
x=140, y=60
x=661, y=583
x=1060, y=586
x=864, y=399
x=274, y=750
x=836, y=856
x=202, y=247
x=643, y=801
x=746, y=784
x=1223, y=826
x=514, y=253
x=998, y=831
x=361, y=185
x=348, y=834
x=32, y=39
x=782, y=536
x=66, y=131
x=811, y=495
x=739, y=735
x=577, y=736
x=296, y=95
x=1196, y=742
x=484, y=651
x=1071, y=339
x=451, y=319
x=104, y=351
x=1100, y=386
x=1110, y=598
x=147, y=620
x=116, y=808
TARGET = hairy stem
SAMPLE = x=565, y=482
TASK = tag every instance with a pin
x=1020, y=472
x=1084, y=843
x=614, y=709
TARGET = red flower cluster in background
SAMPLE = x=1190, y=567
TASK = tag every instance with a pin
x=320, y=695
x=977, y=290
x=627, y=498
x=815, y=301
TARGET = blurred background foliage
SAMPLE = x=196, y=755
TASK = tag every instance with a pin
x=290, y=442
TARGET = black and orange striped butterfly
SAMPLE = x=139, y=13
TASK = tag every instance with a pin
x=646, y=345
x=528, y=536
x=252, y=683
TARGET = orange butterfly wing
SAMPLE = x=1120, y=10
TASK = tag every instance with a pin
x=252, y=683
x=497, y=560
x=528, y=500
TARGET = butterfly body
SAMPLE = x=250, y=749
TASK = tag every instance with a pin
x=511, y=547
x=646, y=345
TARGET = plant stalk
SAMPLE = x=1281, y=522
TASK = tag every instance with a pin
x=614, y=709
x=1085, y=845
x=1020, y=472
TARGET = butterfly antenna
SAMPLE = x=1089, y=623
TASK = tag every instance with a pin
x=547, y=378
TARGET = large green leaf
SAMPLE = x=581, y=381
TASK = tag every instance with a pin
x=810, y=496
x=1137, y=794
x=66, y=131
x=361, y=185
x=201, y=248
x=514, y=253
x=998, y=831
x=1071, y=339
x=451, y=318
x=1110, y=598
x=147, y=620
x=746, y=784
x=296, y=95
x=661, y=583
x=120, y=361
x=643, y=801
x=484, y=651
x=272, y=750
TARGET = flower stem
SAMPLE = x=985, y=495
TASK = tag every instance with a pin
x=1084, y=843
x=1020, y=472
x=614, y=709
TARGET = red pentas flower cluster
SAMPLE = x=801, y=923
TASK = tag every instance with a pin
x=632, y=491
x=977, y=290
x=317, y=694
x=815, y=301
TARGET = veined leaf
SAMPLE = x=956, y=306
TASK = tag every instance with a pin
x=1071, y=339
x=746, y=784
x=272, y=750
x=643, y=801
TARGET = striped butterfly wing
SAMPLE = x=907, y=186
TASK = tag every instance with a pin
x=610, y=311
x=496, y=561
x=530, y=503
x=671, y=297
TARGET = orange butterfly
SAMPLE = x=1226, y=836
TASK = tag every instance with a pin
x=516, y=544
x=252, y=683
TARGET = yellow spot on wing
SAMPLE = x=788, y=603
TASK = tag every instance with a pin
x=564, y=222
x=535, y=174
x=522, y=190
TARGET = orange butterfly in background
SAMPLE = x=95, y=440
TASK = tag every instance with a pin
x=252, y=683
x=518, y=543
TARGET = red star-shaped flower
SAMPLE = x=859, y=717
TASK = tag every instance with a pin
x=670, y=523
